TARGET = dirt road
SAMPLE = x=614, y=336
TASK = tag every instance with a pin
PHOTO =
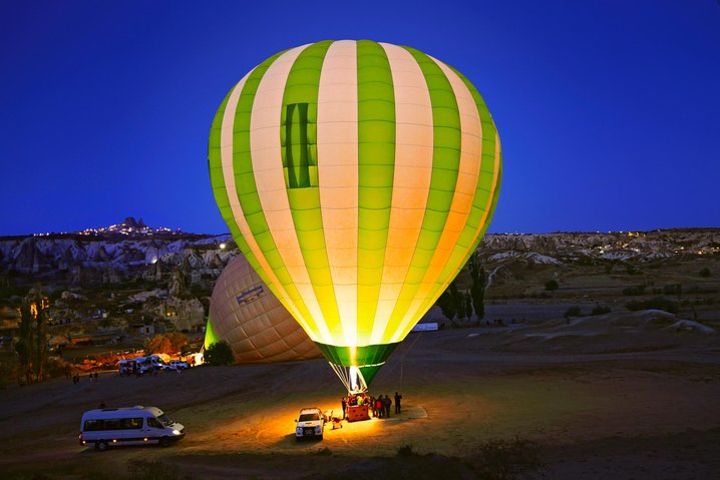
x=590, y=416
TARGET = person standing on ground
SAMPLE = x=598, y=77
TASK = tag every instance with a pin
x=386, y=403
x=343, y=402
x=379, y=406
x=398, y=397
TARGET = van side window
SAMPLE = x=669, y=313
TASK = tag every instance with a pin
x=132, y=423
x=94, y=425
x=154, y=423
x=114, y=423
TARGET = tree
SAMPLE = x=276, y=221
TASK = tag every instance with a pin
x=458, y=300
x=477, y=291
x=24, y=345
x=178, y=340
x=169, y=343
x=219, y=353
x=158, y=344
x=447, y=304
x=31, y=346
x=41, y=341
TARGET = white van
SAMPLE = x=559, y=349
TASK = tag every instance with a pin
x=128, y=426
x=127, y=366
x=149, y=364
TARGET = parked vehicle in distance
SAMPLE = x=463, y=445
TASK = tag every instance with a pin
x=178, y=365
x=149, y=364
x=127, y=366
x=310, y=423
x=128, y=426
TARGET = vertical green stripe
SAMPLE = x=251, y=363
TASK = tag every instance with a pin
x=298, y=135
x=217, y=180
x=376, y=158
x=443, y=180
x=250, y=200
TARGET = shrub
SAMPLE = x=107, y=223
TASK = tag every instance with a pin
x=657, y=303
x=574, y=311
x=551, y=285
x=672, y=289
x=506, y=459
x=405, y=451
x=219, y=353
x=154, y=470
x=600, y=310
x=632, y=269
x=705, y=272
x=634, y=290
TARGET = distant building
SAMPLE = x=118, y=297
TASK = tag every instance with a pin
x=145, y=329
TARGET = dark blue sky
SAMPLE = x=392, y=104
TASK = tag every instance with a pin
x=608, y=110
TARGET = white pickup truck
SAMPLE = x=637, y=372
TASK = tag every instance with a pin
x=310, y=423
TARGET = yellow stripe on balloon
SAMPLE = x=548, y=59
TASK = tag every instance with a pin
x=461, y=205
x=265, y=150
x=337, y=137
x=411, y=180
x=226, y=156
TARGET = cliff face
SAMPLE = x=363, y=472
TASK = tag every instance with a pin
x=612, y=246
x=109, y=258
x=41, y=255
x=148, y=273
x=131, y=273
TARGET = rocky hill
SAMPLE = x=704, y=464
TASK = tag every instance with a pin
x=116, y=253
x=598, y=247
x=130, y=249
x=133, y=277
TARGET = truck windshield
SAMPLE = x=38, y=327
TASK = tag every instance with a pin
x=309, y=417
x=165, y=420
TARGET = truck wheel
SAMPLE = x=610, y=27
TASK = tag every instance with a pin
x=164, y=442
x=101, y=445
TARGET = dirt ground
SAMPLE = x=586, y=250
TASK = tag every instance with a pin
x=644, y=414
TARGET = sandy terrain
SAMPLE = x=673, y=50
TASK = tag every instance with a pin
x=647, y=409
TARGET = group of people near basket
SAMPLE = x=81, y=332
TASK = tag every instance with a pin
x=380, y=406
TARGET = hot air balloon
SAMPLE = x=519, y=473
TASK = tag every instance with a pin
x=245, y=314
x=357, y=178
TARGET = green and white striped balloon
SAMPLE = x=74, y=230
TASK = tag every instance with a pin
x=357, y=178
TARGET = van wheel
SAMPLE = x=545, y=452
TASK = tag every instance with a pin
x=164, y=442
x=101, y=446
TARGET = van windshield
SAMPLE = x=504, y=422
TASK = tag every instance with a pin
x=309, y=417
x=165, y=420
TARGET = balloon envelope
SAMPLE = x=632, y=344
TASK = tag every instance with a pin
x=357, y=178
x=245, y=314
